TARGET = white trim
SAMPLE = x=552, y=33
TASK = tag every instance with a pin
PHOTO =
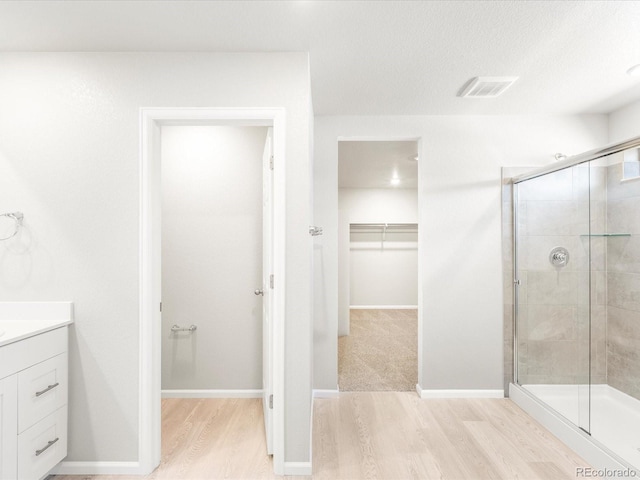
x=313, y=401
x=421, y=266
x=319, y=393
x=97, y=468
x=149, y=336
x=149, y=253
x=297, y=468
x=580, y=442
x=466, y=393
x=211, y=393
x=630, y=179
x=383, y=307
x=278, y=313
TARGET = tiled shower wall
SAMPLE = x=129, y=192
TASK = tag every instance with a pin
x=553, y=304
x=623, y=283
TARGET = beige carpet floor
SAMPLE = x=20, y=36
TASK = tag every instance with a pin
x=380, y=353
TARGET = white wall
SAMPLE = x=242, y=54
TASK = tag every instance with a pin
x=384, y=273
x=460, y=230
x=624, y=123
x=370, y=274
x=69, y=156
x=212, y=256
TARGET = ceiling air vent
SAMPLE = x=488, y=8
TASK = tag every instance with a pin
x=487, y=87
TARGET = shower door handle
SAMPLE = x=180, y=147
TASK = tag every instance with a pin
x=258, y=292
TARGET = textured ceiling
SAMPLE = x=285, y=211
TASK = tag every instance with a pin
x=373, y=164
x=376, y=57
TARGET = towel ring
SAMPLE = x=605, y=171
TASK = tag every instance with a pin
x=17, y=218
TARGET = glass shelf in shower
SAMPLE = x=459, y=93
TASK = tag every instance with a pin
x=605, y=235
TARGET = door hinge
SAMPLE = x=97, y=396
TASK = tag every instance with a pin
x=160, y=306
x=271, y=401
x=271, y=281
x=271, y=162
x=516, y=282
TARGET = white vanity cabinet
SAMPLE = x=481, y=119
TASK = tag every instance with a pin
x=8, y=427
x=33, y=396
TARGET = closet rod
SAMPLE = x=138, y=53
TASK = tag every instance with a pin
x=384, y=225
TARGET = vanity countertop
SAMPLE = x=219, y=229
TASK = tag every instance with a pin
x=20, y=320
x=16, y=330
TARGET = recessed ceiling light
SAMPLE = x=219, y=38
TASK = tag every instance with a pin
x=395, y=180
x=634, y=71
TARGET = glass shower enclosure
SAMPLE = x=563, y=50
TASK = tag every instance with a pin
x=576, y=253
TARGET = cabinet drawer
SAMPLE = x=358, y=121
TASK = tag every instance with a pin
x=43, y=446
x=42, y=389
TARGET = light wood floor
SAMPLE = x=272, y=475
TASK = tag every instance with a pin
x=397, y=435
x=376, y=435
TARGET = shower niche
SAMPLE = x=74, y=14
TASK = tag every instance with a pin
x=575, y=231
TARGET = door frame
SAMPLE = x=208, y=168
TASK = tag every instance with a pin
x=151, y=119
x=421, y=236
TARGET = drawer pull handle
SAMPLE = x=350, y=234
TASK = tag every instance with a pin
x=50, y=387
x=49, y=443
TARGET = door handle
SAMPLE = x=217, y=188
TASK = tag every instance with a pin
x=258, y=292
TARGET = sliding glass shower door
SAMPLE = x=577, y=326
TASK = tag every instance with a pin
x=553, y=290
x=577, y=295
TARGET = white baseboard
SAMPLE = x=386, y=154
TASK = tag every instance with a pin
x=98, y=468
x=383, y=307
x=326, y=393
x=211, y=393
x=297, y=468
x=471, y=393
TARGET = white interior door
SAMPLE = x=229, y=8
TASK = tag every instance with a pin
x=267, y=288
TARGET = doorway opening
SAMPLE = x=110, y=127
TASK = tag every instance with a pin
x=378, y=265
x=212, y=258
x=211, y=261
x=212, y=230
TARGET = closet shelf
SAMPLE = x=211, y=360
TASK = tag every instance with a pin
x=384, y=228
x=605, y=235
x=387, y=226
